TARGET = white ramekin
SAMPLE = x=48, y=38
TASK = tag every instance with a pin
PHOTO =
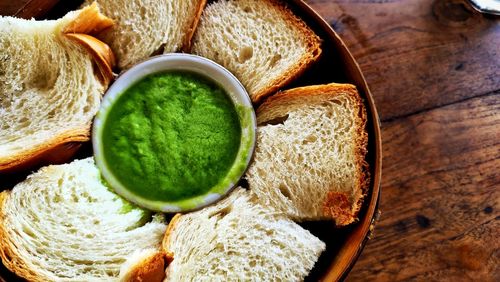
x=190, y=63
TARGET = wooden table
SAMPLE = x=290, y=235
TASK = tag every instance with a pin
x=434, y=71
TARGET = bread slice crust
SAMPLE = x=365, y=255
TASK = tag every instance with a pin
x=186, y=46
x=151, y=269
x=336, y=204
x=167, y=238
x=56, y=150
x=13, y=264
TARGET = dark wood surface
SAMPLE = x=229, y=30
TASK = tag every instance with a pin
x=26, y=8
x=434, y=71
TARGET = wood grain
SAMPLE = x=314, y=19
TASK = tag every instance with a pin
x=26, y=8
x=418, y=54
x=10, y=8
x=440, y=197
x=441, y=180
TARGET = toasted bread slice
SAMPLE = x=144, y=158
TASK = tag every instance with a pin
x=146, y=27
x=63, y=224
x=239, y=240
x=49, y=89
x=260, y=41
x=310, y=157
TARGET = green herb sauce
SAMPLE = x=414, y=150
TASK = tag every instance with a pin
x=171, y=136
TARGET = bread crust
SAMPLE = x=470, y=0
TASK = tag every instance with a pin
x=297, y=95
x=312, y=55
x=59, y=149
x=89, y=21
x=186, y=45
x=166, y=239
x=151, y=269
x=169, y=255
x=9, y=257
x=319, y=93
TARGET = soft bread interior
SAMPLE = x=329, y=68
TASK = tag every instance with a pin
x=238, y=239
x=261, y=42
x=49, y=92
x=145, y=27
x=62, y=223
x=309, y=160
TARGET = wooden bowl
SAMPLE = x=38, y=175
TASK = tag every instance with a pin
x=336, y=64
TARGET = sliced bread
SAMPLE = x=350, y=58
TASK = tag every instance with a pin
x=63, y=224
x=239, y=240
x=260, y=41
x=145, y=27
x=49, y=90
x=310, y=157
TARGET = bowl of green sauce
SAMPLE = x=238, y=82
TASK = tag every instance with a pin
x=174, y=133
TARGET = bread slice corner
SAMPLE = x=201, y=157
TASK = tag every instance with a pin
x=144, y=265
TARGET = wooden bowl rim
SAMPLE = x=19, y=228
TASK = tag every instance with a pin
x=368, y=220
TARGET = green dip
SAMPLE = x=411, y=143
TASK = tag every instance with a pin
x=171, y=136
